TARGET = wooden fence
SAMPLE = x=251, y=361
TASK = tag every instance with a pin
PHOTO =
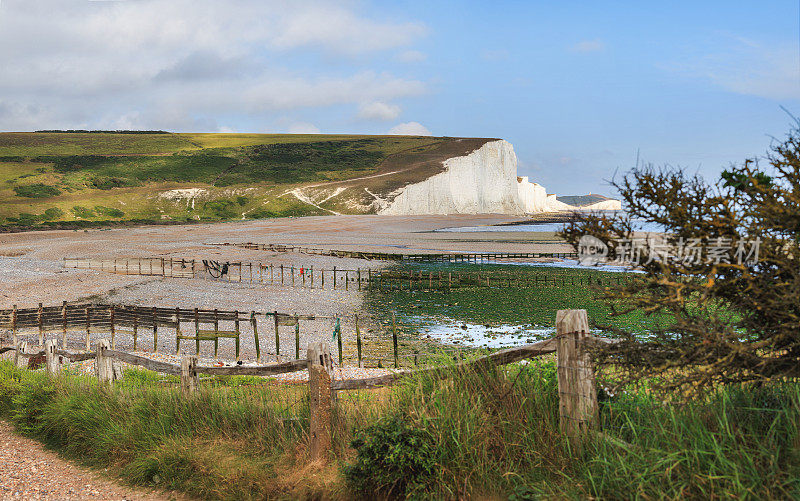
x=443, y=257
x=149, y=324
x=578, y=409
x=335, y=278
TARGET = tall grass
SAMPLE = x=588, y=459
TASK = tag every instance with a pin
x=496, y=433
x=223, y=443
x=491, y=433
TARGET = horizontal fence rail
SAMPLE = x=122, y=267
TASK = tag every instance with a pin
x=335, y=278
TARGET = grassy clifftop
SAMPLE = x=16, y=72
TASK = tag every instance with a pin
x=49, y=178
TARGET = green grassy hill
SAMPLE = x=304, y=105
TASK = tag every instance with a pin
x=51, y=178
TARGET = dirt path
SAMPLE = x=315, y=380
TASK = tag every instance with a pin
x=29, y=472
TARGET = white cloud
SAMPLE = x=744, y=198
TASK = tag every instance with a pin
x=378, y=110
x=341, y=30
x=746, y=67
x=595, y=45
x=177, y=63
x=410, y=129
x=303, y=128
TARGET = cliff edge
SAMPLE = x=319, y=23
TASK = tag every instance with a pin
x=481, y=182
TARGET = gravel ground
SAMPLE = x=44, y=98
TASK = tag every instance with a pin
x=31, y=264
x=29, y=472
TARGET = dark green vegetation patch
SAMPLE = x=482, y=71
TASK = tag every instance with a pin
x=36, y=190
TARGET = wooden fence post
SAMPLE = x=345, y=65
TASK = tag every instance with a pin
x=577, y=394
x=14, y=337
x=358, y=342
x=236, y=328
x=394, y=338
x=104, y=365
x=155, y=331
x=196, y=332
x=189, y=378
x=19, y=360
x=296, y=338
x=88, y=324
x=41, y=328
x=319, y=380
x=64, y=325
x=52, y=361
x=254, y=326
x=113, y=330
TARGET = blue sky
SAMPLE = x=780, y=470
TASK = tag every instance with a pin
x=576, y=87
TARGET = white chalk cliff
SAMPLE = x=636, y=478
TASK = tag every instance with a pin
x=482, y=182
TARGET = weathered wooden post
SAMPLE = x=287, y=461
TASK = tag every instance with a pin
x=41, y=325
x=394, y=339
x=358, y=342
x=14, y=337
x=320, y=404
x=296, y=337
x=196, y=332
x=578, y=409
x=155, y=331
x=19, y=360
x=216, y=330
x=88, y=326
x=236, y=328
x=113, y=330
x=254, y=327
x=64, y=325
x=104, y=365
x=189, y=378
x=52, y=360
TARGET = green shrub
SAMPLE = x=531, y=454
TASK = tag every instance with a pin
x=52, y=213
x=73, y=163
x=36, y=190
x=223, y=209
x=84, y=212
x=109, y=182
x=242, y=201
x=394, y=458
x=108, y=211
x=28, y=218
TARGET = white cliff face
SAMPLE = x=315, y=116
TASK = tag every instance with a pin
x=483, y=182
x=605, y=205
x=534, y=198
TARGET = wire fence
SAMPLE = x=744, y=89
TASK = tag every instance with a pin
x=428, y=257
x=360, y=279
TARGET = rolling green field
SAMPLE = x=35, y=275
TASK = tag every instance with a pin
x=56, y=178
